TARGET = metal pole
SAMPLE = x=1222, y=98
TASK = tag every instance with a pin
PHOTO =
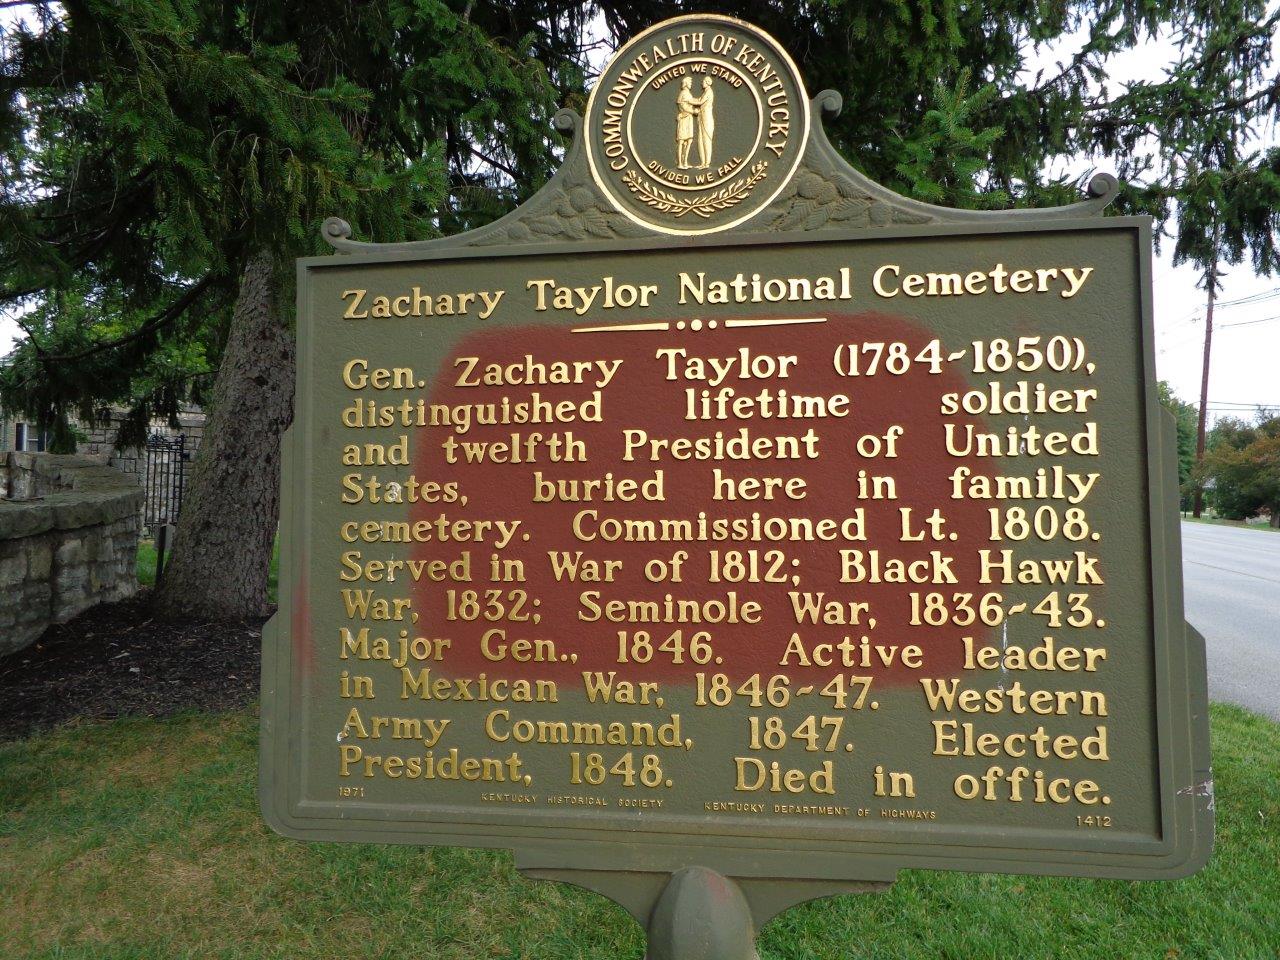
x=701, y=915
x=1198, y=506
x=162, y=541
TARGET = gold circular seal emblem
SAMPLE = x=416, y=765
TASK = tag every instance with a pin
x=696, y=124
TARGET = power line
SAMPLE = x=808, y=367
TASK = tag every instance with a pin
x=1245, y=323
x=1251, y=298
x=1238, y=323
x=1182, y=339
x=1242, y=412
x=1192, y=317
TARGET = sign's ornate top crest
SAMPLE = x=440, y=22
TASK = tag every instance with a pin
x=696, y=124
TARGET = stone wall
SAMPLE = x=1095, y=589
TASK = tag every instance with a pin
x=154, y=466
x=162, y=498
x=68, y=540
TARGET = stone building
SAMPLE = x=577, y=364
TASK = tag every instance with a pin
x=161, y=467
x=16, y=433
x=19, y=433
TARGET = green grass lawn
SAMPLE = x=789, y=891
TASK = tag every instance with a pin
x=1240, y=524
x=140, y=840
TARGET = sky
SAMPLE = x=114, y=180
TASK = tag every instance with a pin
x=1244, y=372
x=1246, y=323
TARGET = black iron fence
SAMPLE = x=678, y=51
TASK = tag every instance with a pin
x=164, y=478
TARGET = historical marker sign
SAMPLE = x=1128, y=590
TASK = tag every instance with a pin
x=834, y=543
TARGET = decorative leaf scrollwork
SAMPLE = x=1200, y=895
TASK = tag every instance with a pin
x=703, y=205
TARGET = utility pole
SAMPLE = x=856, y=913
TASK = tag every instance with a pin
x=1212, y=284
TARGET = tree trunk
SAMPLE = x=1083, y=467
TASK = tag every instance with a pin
x=227, y=529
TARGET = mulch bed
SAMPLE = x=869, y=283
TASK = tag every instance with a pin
x=118, y=660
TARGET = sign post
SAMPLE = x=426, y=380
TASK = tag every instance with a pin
x=721, y=530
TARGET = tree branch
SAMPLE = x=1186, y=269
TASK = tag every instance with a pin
x=1225, y=106
x=509, y=171
x=165, y=317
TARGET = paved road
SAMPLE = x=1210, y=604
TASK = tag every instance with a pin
x=1232, y=596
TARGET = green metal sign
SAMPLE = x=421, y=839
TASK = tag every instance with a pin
x=721, y=515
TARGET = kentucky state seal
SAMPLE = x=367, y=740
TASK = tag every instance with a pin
x=696, y=124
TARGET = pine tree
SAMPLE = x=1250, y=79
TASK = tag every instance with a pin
x=165, y=160
x=162, y=161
